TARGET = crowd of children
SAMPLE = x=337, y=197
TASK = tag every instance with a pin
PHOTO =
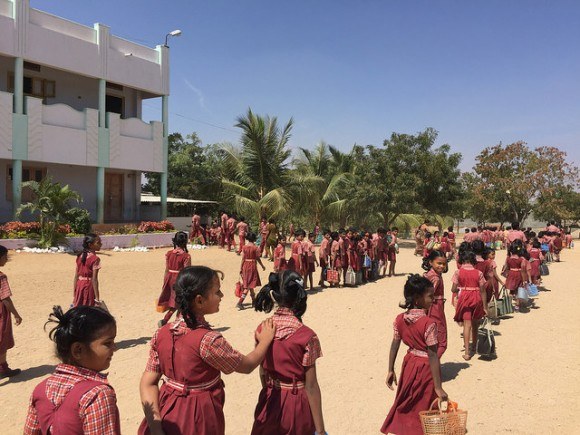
x=190, y=356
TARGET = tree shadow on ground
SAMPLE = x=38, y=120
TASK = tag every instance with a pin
x=30, y=373
x=133, y=342
x=450, y=370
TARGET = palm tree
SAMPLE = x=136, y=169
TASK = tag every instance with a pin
x=51, y=202
x=258, y=179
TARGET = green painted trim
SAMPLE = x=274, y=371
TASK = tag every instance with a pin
x=104, y=147
x=102, y=103
x=19, y=85
x=100, y=195
x=16, y=186
x=19, y=136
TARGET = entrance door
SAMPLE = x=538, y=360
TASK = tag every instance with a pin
x=114, y=197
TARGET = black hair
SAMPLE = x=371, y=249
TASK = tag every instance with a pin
x=310, y=235
x=445, y=234
x=300, y=232
x=432, y=256
x=81, y=324
x=464, y=246
x=428, y=234
x=466, y=257
x=3, y=251
x=515, y=225
x=251, y=237
x=478, y=247
x=89, y=239
x=242, y=219
x=450, y=229
x=394, y=229
x=536, y=244
x=473, y=229
x=487, y=252
x=334, y=235
x=415, y=286
x=466, y=230
x=180, y=240
x=191, y=282
x=326, y=231
x=341, y=231
x=280, y=238
x=287, y=289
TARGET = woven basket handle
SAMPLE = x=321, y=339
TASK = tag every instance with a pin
x=438, y=401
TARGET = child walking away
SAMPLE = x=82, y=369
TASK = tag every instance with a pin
x=311, y=261
x=86, y=280
x=536, y=259
x=323, y=255
x=296, y=262
x=335, y=255
x=489, y=255
x=175, y=260
x=249, y=270
x=290, y=400
x=77, y=398
x=191, y=357
x=280, y=255
x=420, y=380
x=242, y=227
x=7, y=310
x=515, y=272
x=392, y=250
x=435, y=265
x=472, y=301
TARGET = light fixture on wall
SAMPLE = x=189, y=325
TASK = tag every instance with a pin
x=176, y=32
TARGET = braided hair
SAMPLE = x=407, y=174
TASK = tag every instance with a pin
x=180, y=240
x=191, y=282
x=89, y=239
x=415, y=286
x=287, y=290
x=82, y=324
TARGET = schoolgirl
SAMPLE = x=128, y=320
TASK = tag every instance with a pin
x=279, y=254
x=191, y=357
x=310, y=258
x=335, y=254
x=495, y=281
x=86, y=280
x=243, y=229
x=290, y=401
x=435, y=265
x=420, y=380
x=323, y=256
x=392, y=247
x=472, y=300
x=296, y=262
x=77, y=398
x=536, y=258
x=175, y=260
x=7, y=310
x=514, y=270
x=249, y=270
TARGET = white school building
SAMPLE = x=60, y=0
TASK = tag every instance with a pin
x=70, y=107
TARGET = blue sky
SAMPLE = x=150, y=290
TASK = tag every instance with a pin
x=479, y=72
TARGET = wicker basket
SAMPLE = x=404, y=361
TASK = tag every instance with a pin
x=437, y=422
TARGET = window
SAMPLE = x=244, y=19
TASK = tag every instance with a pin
x=34, y=86
x=28, y=174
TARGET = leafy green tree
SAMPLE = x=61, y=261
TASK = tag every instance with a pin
x=51, y=203
x=256, y=177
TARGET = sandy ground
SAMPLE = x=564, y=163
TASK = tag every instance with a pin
x=532, y=387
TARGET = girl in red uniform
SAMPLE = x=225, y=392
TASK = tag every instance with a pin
x=296, y=262
x=489, y=255
x=472, y=301
x=536, y=259
x=242, y=227
x=392, y=251
x=452, y=242
x=420, y=380
x=483, y=265
x=515, y=269
x=77, y=398
x=336, y=255
x=7, y=309
x=311, y=261
x=280, y=254
x=191, y=357
x=175, y=260
x=86, y=280
x=323, y=254
x=249, y=270
x=435, y=265
x=290, y=402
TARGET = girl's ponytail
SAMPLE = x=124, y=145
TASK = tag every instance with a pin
x=180, y=240
x=287, y=290
x=266, y=296
x=87, y=242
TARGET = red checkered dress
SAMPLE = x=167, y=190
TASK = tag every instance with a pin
x=412, y=316
x=214, y=349
x=286, y=325
x=97, y=408
x=6, y=337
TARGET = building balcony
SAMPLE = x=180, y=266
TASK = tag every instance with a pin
x=60, y=134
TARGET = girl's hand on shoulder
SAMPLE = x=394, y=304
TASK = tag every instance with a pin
x=266, y=334
x=391, y=378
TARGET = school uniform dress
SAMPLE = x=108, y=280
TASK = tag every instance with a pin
x=323, y=253
x=535, y=261
x=283, y=407
x=224, y=232
x=437, y=310
x=73, y=400
x=343, y=243
x=175, y=261
x=242, y=231
x=192, y=396
x=279, y=258
x=297, y=253
x=6, y=337
x=469, y=304
x=493, y=280
x=335, y=250
x=484, y=266
x=351, y=254
x=392, y=250
x=416, y=389
x=84, y=292
x=250, y=275
x=514, y=266
x=264, y=235
x=309, y=256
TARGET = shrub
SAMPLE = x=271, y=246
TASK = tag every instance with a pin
x=149, y=227
x=79, y=220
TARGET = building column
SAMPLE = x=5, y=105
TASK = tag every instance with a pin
x=163, y=182
x=101, y=168
x=16, y=151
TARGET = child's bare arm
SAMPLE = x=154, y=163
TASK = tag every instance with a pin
x=314, y=398
x=435, y=367
x=10, y=307
x=391, y=376
x=149, y=391
x=95, y=281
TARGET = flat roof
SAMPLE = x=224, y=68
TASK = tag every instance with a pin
x=152, y=198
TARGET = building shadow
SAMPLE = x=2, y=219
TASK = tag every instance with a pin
x=29, y=374
x=450, y=370
x=133, y=342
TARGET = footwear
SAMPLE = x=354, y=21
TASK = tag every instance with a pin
x=240, y=306
x=8, y=373
x=161, y=323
